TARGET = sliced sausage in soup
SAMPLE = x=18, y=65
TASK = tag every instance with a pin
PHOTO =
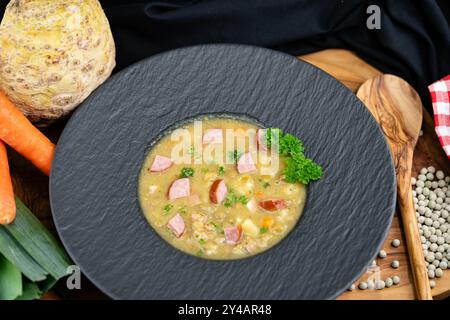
x=232, y=234
x=246, y=164
x=179, y=189
x=218, y=191
x=212, y=136
x=161, y=164
x=177, y=225
x=273, y=204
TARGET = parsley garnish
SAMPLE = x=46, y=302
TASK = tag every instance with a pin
x=263, y=230
x=167, y=208
x=182, y=210
x=299, y=168
x=272, y=135
x=235, y=155
x=290, y=145
x=232, y=198
x=187, y=172
x=199, y=253
x=217, y=227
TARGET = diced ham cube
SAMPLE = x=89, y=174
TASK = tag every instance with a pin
x=180, y=188
x=245, y=163
x=177, y=225
x=273, y=204
x=232, y=234
x=212, y=136
x=160, y=164
x=218, y=191
x=261, y=137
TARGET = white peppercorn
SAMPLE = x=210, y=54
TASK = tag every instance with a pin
x=395, y=264
x=440, y=175
x=370, y=285
x=396, y=242
x=382, y=254
x=432, y=284
x=396, y=279
x=431, y=274
x=379, y=284
x=388, y=282
x=439, y=273
x=362, y=285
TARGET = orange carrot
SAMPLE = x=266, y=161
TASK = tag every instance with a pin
x=7, y=202
x=17, y=131
x=267, y=222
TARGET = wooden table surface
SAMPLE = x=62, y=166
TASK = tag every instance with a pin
x=32, y=187
x=352, y=72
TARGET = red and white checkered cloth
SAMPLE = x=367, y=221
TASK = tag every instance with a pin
x=440, y=95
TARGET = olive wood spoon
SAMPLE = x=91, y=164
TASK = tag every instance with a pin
x=397, y=108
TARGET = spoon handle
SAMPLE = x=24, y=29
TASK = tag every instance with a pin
x=410, y=227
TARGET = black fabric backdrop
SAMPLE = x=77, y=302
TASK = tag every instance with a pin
x=413, y=42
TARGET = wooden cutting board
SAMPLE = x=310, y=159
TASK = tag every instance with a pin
x=32, y=187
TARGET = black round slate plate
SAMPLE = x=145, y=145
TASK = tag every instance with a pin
x=98, y=158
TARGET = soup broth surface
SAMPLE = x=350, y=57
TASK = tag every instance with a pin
x=224, y=208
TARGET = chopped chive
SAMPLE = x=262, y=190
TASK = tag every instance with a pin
x=221, y=170
x=182, y=210
x=232, y=198
x=167, y=208
x=266, y=184
x=199, y=253
x=217, y=227
x=201, y=241
x=263, y=230
x=187, y=172
x=235, y=155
